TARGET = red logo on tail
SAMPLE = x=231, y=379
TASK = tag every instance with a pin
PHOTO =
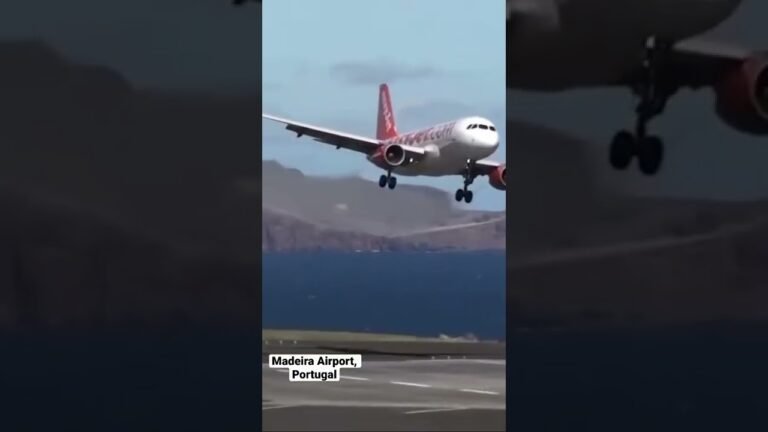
x=385, y=126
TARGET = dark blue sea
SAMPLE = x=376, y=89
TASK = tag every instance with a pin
x=424, y=294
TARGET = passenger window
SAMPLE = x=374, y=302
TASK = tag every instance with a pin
x=483, y=127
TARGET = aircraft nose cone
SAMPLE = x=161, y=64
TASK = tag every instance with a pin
x=493, y=142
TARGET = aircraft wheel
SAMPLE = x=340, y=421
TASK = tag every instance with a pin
x=468, y=195
x=392, y=182
x=459, y=195
x=382, y=181
x=622, y=149
x=650, y=155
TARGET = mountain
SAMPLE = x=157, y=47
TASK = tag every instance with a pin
x=118, y=204
x=312, y=213
x=162, y=163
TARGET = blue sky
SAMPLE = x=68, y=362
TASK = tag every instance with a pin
x=323, y=61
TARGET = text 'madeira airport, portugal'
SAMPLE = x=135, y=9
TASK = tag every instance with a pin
x=314, y=367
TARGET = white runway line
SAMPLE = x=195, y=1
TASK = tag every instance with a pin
x=434, y=410
x=409, y=384
x=282, y=370
x=479, y=391
x=354, y=378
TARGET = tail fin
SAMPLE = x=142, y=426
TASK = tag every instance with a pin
x=385, y=125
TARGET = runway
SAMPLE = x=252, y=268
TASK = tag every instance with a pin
x=388, y=349
x=402, y=395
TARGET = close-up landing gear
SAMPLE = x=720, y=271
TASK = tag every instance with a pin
x=653, y=94
x=387, y=180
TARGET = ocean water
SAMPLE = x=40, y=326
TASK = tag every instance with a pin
x=423, y=294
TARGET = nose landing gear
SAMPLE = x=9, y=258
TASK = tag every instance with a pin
x=653, y=94
x=469, y=175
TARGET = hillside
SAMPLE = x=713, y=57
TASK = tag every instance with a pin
x=63, y=268
x=710, y=278
x=161, y=163
x=313, y=213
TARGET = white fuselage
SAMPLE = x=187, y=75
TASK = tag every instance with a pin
x=581, y=43
x=448, y=146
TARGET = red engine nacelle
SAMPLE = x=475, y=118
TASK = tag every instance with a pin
x=742, y=96
x=388, y=156
x=498, y=177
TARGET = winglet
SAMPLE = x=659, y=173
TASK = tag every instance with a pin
x=385, y=125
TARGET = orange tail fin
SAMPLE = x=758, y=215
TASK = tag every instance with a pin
x=385, y=125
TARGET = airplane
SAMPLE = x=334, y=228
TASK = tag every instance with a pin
x=651, y=47
x=453, y=148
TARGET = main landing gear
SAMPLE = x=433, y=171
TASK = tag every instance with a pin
x=653, y=94
x=387, y=180
x=469, y=175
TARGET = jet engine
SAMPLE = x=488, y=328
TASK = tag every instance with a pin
x=389, y=156
x=498, y=177
x=742, y=96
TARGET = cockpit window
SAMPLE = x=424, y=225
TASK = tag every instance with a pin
x=469, y=126
x=482, y=126
x=474, y=126
x=492, y=128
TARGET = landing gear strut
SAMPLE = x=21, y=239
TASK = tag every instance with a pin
x=653, y=94
x=387, y=180
x=469, y=175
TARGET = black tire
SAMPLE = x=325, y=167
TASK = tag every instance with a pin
x=650, y=155
x=382, y=181
x=622, y=150
x=459, y=195
x=468, y=195
x=392, y=182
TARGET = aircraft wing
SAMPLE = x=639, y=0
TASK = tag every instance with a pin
x=700, y=62
x=486, y=167
x=696, y=63
x=341, y=139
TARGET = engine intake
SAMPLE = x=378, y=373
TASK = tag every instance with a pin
x=389, y=156
x=742, y=96
x=498, y=178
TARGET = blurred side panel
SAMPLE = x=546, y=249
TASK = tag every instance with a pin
x=129, y=220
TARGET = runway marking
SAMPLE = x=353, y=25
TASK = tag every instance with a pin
x=480, y=391
x=278, y=407
x=354, y=378
x=434, y=410
x=409, y=384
